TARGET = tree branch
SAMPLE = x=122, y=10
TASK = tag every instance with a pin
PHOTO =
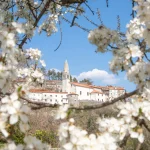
x=139, y=146
x=126, y=95
x=124, y=141
x=30, y=7
x=75, y=15
x=35, y=23
x=42, y=105
x=75, y=24
x=146, y=126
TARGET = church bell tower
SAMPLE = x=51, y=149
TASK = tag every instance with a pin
x=66, y=78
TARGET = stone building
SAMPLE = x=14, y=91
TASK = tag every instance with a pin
x=61, y=92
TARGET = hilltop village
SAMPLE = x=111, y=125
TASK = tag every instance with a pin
x=65, y=91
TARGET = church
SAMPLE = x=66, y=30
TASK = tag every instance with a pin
x=71, y=92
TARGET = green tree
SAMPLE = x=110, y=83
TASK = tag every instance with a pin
x=49, y=74
x=54, y=75
x=71, y=78
x=87, y=81
x=59, y=76
x=74, y=80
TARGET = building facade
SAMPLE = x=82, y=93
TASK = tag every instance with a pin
x=63, y=92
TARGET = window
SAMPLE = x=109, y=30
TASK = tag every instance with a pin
x=50, y=99
x=98, y=94
x=98, y=99
x=87, y=93
x=56, y=95
x=50, y=95
x=62, y=96
x=80, y=92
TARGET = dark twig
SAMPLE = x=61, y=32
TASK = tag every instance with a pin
x=35, y=23
x=146, y=57
x=107, y=4
x=75, y=24
x=75, y=15
x=89, y=8
x=113, y=47
x=60, y=36
x=90, y=21
x=31, y=9
x=133, y=4
x=118, y=23
x=99, y=16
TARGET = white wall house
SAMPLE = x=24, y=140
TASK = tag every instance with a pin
x=82, y=90
x=98, y=96
x=68, y=90
x=47, y=96
x=115, y=92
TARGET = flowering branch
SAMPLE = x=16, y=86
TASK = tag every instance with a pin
x=42, y=105
x=36, y=22
x=126, y=95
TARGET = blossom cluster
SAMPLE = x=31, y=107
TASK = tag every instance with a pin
x=130, y=53
x=33, y=53
x=128, y=121
x=30, y=144
x=102, y=37
x=73, y=138
x=14, y=111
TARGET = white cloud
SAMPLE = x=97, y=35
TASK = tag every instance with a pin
x=98, y=76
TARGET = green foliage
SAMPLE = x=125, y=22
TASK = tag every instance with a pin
x=74, y=80
x=87, y=81
x=53, y=75
x=49, y=137
x=91, y=125
x=17, y=136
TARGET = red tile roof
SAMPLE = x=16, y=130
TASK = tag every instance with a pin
x=98, y=87
x=81, y=85
x=95, y=91
x=44, y=91
x=72, y=93
x=115, y=88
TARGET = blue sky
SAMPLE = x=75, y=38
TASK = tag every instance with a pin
x=79, y=52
